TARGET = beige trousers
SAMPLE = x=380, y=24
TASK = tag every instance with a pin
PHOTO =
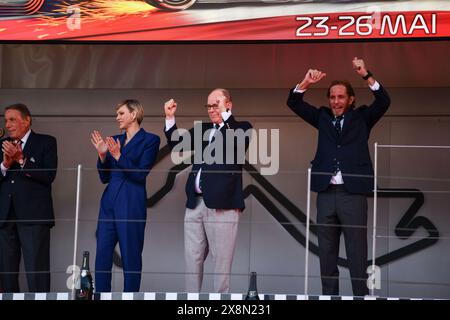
x=209, y=231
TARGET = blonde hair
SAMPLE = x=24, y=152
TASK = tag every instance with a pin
x=133, y=105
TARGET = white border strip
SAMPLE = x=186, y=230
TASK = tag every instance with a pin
x=411, y=146
x=193, y=296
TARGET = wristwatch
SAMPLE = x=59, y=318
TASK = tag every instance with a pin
x=368, y=75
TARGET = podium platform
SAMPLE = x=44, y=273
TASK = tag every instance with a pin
x=187, y=296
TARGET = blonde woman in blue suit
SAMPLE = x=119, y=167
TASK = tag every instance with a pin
x=124, y=161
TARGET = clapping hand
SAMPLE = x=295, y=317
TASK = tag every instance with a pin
x=99, y=144
x=113, y=147
x=10, y=153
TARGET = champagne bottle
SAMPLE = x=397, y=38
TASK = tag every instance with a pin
x=252, y=291
x=86, y=290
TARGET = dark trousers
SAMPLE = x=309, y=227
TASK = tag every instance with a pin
x=34, y=242
x=339, y=211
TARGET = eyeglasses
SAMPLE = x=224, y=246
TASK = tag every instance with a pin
x=211, y=106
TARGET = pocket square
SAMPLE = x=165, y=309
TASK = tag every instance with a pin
x=32, y=159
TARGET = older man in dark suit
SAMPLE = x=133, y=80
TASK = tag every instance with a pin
x=28, y=168
x=342, y=171
x=215, y=198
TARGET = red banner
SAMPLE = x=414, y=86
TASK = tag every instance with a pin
x=138, y=21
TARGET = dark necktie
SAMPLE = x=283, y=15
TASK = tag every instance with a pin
x=216, y=127
x=338, y=127
x=337, y=123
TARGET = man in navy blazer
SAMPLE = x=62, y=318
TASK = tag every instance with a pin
x=342, y=172
x=214, y=192
x=28, y=168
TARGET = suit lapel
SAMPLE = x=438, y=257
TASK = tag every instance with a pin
x=27, y=150
x=138, y=137
x=205, y=127
x=348, y=117
x=331, y=127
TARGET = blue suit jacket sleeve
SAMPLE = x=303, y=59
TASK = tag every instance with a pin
x=307, y=112
x=103, y=169
x=377, y=108
x=186, y=134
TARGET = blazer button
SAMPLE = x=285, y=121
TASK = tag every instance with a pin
x=338, y=145
x=12, y=181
